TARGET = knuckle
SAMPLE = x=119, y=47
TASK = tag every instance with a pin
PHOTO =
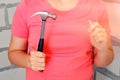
x=39, y=54
x=42, y=68
x=42, y=55
x=36, y=68
x=42, y=64
x=42, y=59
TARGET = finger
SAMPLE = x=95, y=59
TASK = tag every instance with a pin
x=37, y=59
x=38, y=54
x=96, y=32
x=93, y=26
x=42, y=68
x=38, y=64
x=42, y=59
x=42, y=64
x=99, y=39
x=37, y=68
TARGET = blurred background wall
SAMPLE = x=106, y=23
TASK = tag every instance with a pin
x=10, y=72
x=7, y=71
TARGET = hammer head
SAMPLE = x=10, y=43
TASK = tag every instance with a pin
x=45, y=15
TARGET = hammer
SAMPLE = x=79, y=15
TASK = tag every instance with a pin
x=44, y=16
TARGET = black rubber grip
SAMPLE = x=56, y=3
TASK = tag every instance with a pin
x=41, y=70
x=40, y=45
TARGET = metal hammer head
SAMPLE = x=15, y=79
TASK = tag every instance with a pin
x=45, y=15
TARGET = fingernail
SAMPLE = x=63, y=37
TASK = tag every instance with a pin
x=90, y=22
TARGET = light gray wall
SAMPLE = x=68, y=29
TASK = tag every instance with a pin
x=10, y=72
x=7, y=71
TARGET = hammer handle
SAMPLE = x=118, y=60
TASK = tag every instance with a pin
x=40, y=45
x=41, y=41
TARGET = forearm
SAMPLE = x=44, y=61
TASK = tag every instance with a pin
x=19, y=58
x=102, y=58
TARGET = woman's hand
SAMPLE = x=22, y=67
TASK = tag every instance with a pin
x=37, y=61
x=103, y=52
x=98, y=36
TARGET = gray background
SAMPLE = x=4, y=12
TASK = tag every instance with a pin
x=10, y=72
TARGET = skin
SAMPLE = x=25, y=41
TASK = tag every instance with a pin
x=62, y=5
x=103, y=53
x=18, y=56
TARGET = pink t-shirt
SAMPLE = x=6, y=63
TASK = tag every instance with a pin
x=67, y=41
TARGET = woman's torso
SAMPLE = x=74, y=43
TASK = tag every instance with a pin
x=67, y=43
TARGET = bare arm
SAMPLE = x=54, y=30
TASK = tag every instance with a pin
x=103, y=57
x=17, y=52
x=103, y=52
x=18, y=56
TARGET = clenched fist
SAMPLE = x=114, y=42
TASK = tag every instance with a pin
x=37, y=61
x=98, y=36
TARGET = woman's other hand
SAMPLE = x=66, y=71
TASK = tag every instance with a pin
x=98, y=36
x=103, y=51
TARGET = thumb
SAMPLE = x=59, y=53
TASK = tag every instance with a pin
x=93, y=26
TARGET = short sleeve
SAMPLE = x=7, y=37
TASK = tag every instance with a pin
x=104, y=19
x=19, y=24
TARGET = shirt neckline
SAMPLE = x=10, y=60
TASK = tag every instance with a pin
x=64, y=11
